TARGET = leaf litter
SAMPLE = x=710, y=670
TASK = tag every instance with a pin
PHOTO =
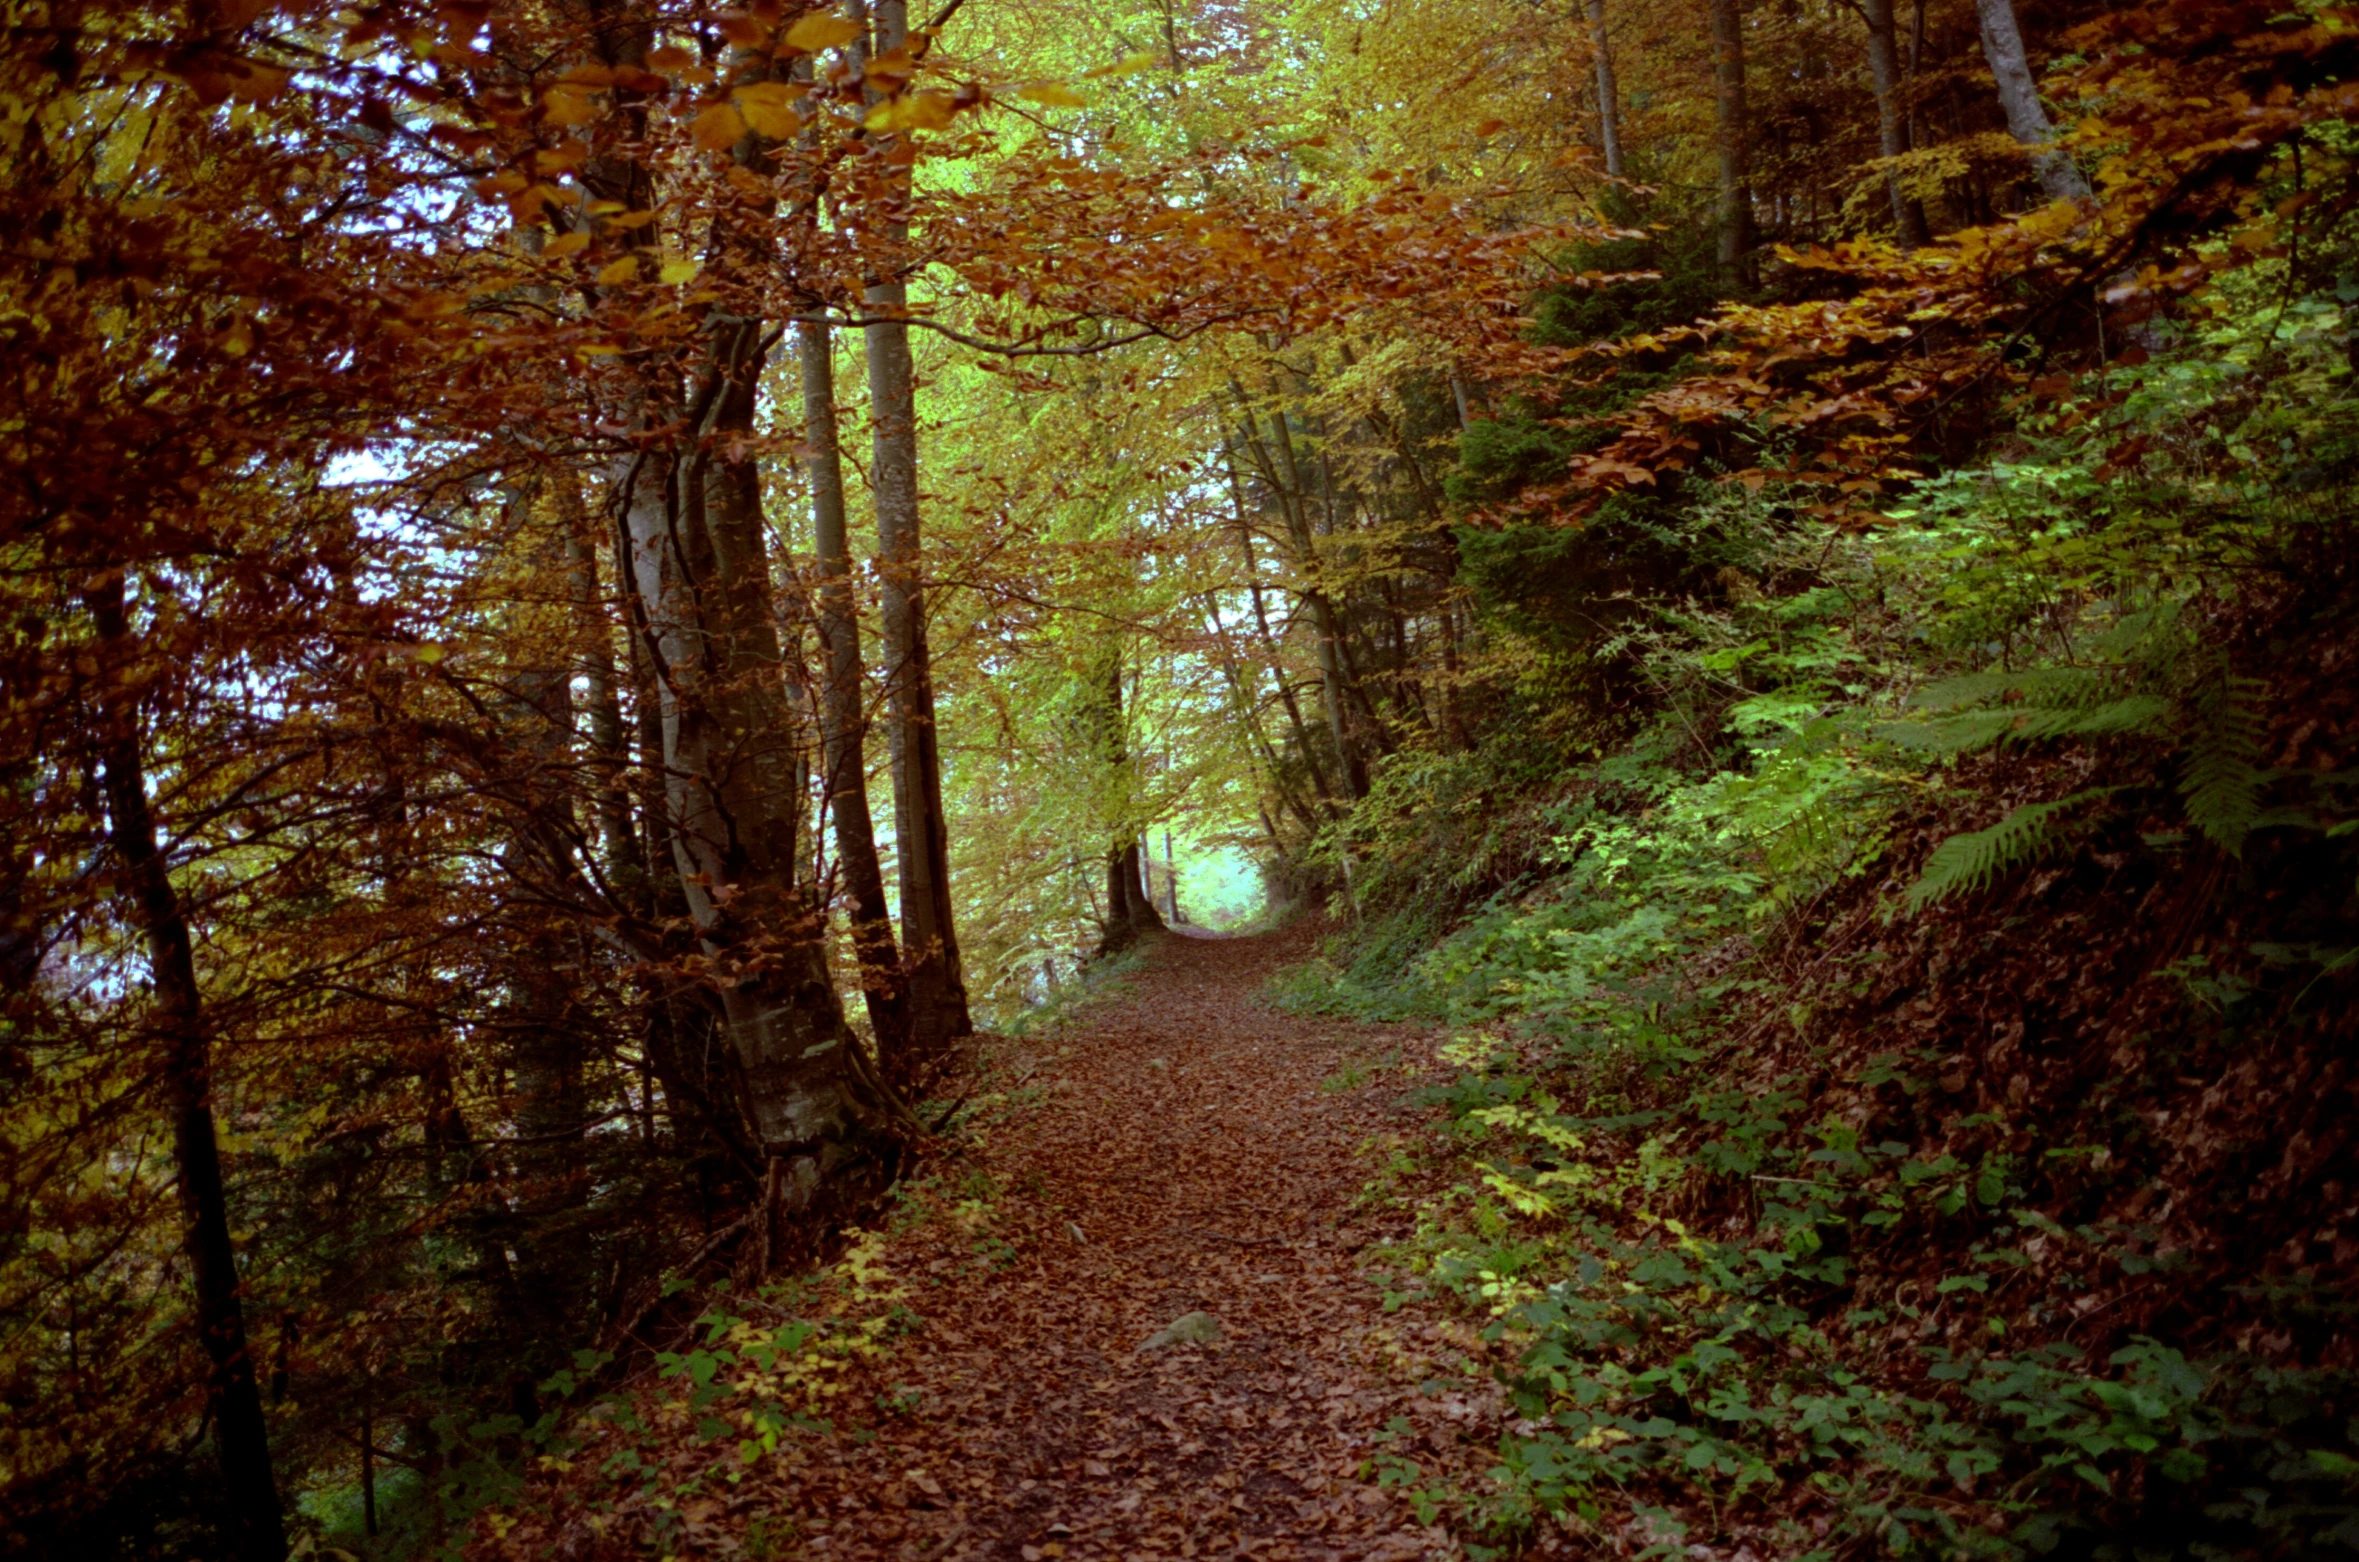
x=1134, y=1318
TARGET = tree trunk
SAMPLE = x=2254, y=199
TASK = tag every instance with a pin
x=1609, y=120
x=620, y=861
x=843, y=713
x=233, y=1397
x=2019, y=97
x=1130, y=910
x=1735, y=141
x=1285, y=477
x=935, y=984
x=725, y=726
x=1908, y=214
x=1269, y=641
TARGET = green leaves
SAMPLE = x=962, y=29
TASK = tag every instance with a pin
x=1970, y=862
x=2221, y=779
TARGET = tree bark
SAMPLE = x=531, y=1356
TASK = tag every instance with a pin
x=1329, y=633
x=1892, y=131
x=233, y=1397
x=1735, y=141
x=619, y=857
x=2019, y=98
x=842, y=707
x=1269, y=641
x=934, y=981
x=724, y=720
x=1609, y=119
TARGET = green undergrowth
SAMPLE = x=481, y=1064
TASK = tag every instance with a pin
x=1104, y=979
x=1900, y=1061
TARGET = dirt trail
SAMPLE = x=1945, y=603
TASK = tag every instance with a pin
x=1184, y=1130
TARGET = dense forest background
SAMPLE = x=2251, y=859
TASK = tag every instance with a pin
x=592, y=587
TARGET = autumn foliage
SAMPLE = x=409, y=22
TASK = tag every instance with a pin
x=488, y=492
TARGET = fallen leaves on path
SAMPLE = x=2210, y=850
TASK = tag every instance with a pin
x=1183, y=1148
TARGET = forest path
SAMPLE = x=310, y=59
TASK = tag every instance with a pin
x=1210, y=1150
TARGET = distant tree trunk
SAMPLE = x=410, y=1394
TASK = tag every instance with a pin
x=1130, y=910
x=620, y=861
x=1285, y=476
x=842, y=708
x=935, y=983
x=233, y=1397
x=1609, y=120
x=1735, y=140
x=1269, y=641
x=2019, y=97
x=538, y=1024
x=1908, y=214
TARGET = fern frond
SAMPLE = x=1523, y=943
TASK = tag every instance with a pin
x=2044, y=686
x=1960, y=734
x=2221, y=779
x=1968, y=862
x=1968, y=731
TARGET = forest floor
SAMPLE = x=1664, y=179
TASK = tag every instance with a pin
x=1179, y=1146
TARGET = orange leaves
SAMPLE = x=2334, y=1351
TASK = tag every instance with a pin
x=717, y=128
x=769, y=107
x=1052, y=94
x=821, y=30
x=570, y=105
x=913, y=111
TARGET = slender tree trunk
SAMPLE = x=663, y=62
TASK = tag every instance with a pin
x=935, y=983
x=1609, y=114
x=1269, y=641
x=1285, y=477
x=620, y=860
x=2019, y=98
x=368, y=1472
x=233, y=1398
x=1735, y=140
x=843, y=713
x=1130, y=910
x=1908, y=214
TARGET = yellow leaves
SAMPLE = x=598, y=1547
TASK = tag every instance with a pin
x=914, y=111
x=568, y=106
x=769, y=107
x=238, y=340
x=566, y=244
x=678, y=271
x=671, y=59
x=616, y=273
x=624, y=221
x=821, y=30
x=509, y=182
x=1052, y=94
x=1129, y=65
x=717, y=129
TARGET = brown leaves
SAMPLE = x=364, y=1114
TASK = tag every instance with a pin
x=1222, y=1180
